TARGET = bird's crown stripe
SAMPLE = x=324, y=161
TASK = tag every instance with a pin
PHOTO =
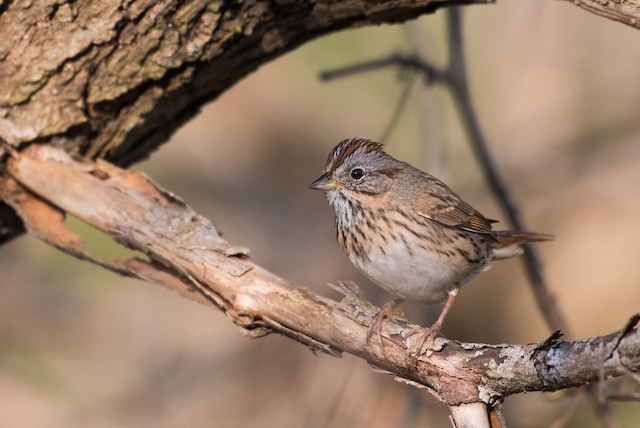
x=347, y=147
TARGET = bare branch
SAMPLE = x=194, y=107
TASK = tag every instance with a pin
x=114, y=80
x=200, y=265
x=626, y=11
x=454, y=76
x=459, y=85
x=136, y=72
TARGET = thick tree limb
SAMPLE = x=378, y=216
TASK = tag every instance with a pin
x=115, y=79
x=187, y=254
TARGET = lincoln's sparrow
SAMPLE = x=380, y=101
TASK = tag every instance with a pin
x=406, y=230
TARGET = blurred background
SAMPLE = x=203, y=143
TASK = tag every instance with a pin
x=556, y=90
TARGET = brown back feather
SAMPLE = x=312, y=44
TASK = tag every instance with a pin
x=441, y=204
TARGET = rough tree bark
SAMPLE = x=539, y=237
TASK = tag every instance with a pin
x=187, y=254
x=112, y=80
x=625, y=11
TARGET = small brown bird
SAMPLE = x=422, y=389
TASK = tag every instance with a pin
x=406, y=230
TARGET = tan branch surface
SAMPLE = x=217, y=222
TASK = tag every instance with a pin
x=624, y=11
x=187, y=254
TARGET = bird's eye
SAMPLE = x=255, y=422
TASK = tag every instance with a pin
x=357, y=173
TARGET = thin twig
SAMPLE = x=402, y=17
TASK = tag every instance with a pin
x=570, y=412
x=455, y=77
x=430, y=71
x=605, y=413
x=624, y=398
x=458, y=83
x=400, y=107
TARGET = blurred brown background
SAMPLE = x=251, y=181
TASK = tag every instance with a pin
x=557, y=93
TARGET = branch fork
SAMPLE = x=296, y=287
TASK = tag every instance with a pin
x=186, y=253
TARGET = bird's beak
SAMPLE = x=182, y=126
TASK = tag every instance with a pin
x=325, y=183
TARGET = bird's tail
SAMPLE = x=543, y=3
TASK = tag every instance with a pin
x=509, y=242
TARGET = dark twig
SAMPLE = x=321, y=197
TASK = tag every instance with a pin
x=604, y=412
x=454, y=76
x=624, y=398
x=400, y=107
x=458, y=83
x=414, y=62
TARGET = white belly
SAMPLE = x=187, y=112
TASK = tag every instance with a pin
x=420, y=275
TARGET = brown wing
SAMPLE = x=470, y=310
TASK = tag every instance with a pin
x=441, y=204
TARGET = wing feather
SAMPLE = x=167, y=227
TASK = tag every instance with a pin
x=442, y=205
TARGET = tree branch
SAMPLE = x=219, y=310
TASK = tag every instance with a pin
x=115, y=79
x=454, y=77
x=459, y=85
x=187, y=254
x=625, y=11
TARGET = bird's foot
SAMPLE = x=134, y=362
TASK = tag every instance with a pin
x=386, y=311
x=427, y=334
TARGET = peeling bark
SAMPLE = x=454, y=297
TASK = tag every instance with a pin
x=113, y=80
x=187, y=254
